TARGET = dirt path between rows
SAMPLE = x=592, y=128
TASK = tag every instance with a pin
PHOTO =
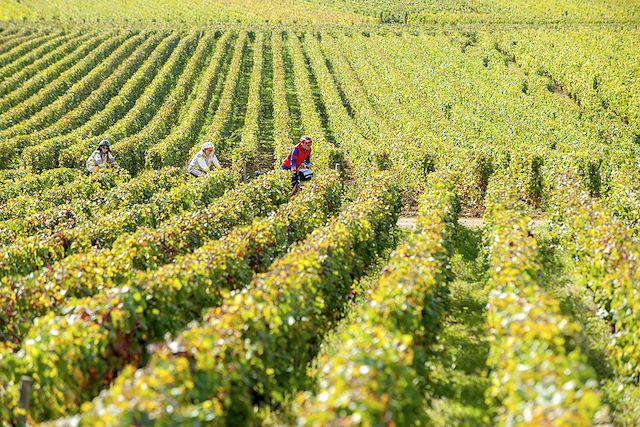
x=409, y=222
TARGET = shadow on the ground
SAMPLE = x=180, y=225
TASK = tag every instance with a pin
x=577, y=304
x=456, y=363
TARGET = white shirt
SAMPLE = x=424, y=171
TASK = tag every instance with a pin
x=200, y=164
x=98, y=159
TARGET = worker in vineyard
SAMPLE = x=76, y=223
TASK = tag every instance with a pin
x=202, y=162
x=101, y=157
x=299, y=161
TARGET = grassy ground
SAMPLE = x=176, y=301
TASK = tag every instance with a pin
x=456, y=364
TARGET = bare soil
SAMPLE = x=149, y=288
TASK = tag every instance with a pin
x=409, y=222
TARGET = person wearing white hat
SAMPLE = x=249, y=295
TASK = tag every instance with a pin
x=202, y=162
x=101, y=157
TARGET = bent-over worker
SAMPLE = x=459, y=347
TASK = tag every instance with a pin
x=101, y=157
x=299, y=161
x=201, y=163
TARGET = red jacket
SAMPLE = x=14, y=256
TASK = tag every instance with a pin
x=296, y=158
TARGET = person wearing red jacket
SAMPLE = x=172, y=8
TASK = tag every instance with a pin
x=299, y=161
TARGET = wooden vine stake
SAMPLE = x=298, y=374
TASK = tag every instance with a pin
x=25, y=397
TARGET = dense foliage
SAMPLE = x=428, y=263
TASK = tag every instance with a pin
x=141, y=295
